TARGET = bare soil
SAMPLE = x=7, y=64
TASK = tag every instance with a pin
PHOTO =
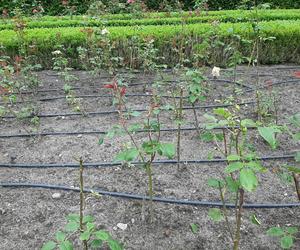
x=30, y=217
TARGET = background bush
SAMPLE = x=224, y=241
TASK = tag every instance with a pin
x=55, y=7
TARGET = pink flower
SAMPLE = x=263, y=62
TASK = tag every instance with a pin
x=130, y=1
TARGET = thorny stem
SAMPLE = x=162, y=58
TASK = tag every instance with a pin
x=85, y=244
x=239, y=221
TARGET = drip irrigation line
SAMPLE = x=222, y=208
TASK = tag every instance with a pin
x=210, y=106
x=7, y=136
x=113, y=164
x=273, y=84
x=155, y=198
x=107, y=96
x=129, y=85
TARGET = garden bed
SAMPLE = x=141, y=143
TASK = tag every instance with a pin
x=30, y=217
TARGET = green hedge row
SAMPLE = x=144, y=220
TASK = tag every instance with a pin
x=286, y=47
x=55, y=7
x=160, y=15
x=237, y=16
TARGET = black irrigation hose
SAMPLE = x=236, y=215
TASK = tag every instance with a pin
x=138, y=110
x=129, y=85
x=7, y=136
x=155, y=199
x=106, y=96
x=272, y=85
x=112, y=164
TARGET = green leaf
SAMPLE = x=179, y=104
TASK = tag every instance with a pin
x=248, y=123
x=168, y=150
x=286, y=242
x=256, y=166
x=219, y=136
x=101, y=140
x=194, y=228
x=254, y=220
x=295, y=120
x=72, y=226
x=234, y=166
x=127, y=155
x=207, y=137
x=233, y=158
x=90, y=226
x=96, y=244
x=275, y=231
x=296, y=136
x=66, y=245
x=232, y=185
x=102, y=235
x=114, y=245
x=85, y=235
x=134, y=128
x=268, y=133
x=50, y=245
x=291, y=230
x=88, y=218
x=248, y=179
x=215, y=214
x=150, y=147
x=215, y=183
x=222, y=112
x=60, y=236
x=193, y=98
x=73, y=217
x=294, y=170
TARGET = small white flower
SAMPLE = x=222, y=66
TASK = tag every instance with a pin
x=216, y=72
x=56, y=52
x=104, y=32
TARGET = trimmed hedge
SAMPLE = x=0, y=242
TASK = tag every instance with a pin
x=232, y=16
x=55, y=7
x=286, y=47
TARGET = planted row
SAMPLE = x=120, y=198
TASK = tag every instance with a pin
x=165, y=17
x=155, y=21
x=190, y=39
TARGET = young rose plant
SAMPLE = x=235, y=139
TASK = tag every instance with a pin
x=239, y=176
x=145, y=151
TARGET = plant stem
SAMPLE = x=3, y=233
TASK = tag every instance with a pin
x=85, y=245
x=297, y=186
x=225, y=212
x=239, y=221
x=179, y=117
x=196, y=120
x=150, y=188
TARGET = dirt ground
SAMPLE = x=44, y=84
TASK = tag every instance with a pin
x=30, y=217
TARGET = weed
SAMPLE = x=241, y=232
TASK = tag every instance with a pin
x=286, y=235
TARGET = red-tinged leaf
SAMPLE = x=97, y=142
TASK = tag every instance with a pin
x=108, y=86
x=123, y=91
x=3, y=90
x=297, y=74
